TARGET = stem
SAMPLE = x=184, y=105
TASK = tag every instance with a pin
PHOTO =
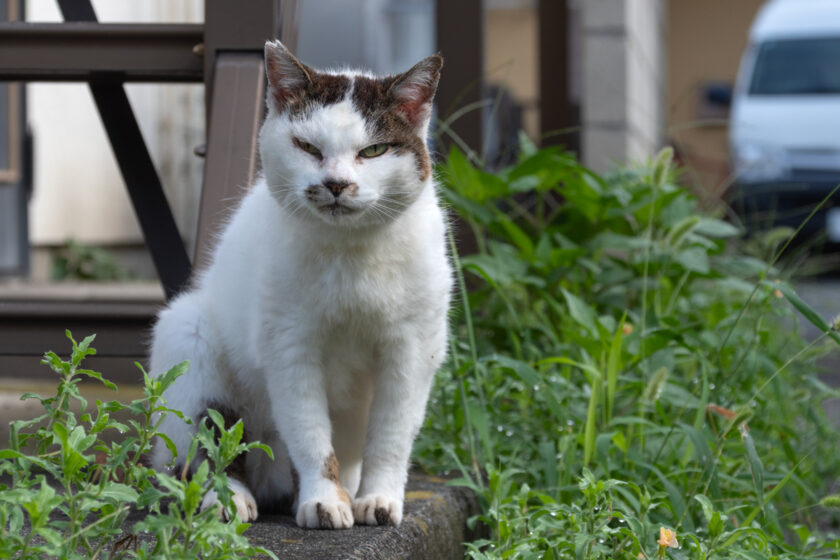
x=462, y=287
x=99, y=521
x=787, y=363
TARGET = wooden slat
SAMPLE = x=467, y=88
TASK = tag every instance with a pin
x=120, y=370
x=460, y=39
x=232, y=158
x=34, y=327
x=100, y=51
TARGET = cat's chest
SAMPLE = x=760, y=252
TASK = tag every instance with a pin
x=352, y=287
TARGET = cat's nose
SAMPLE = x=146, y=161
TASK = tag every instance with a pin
x=336, y=187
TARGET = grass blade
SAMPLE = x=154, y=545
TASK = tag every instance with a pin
x=756, y=468
x=613, y=366
x=811, y=314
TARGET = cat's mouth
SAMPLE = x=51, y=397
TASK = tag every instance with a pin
x=335, y=209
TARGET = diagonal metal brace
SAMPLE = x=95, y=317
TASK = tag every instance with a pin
x=138, y=171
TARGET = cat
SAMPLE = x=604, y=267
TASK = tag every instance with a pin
x=322, y=318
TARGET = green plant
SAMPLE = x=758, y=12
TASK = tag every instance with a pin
x=618, y=335
x=67, y=491
x=79, y=261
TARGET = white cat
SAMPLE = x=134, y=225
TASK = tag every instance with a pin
x=323, y=316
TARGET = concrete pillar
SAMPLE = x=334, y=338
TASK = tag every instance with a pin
x=623, y=87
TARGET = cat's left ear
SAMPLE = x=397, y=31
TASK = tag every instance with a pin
x=287, y=76
x=414, y=90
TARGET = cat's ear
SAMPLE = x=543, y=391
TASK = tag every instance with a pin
x=287, y=76
x=414, y=90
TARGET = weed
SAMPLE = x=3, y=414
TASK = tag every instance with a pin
x=623, y=375
x=66, y=492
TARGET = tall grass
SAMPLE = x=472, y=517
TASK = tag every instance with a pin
x=623, y=369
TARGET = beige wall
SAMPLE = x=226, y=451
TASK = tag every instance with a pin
x=705, y=42
x=511, y=57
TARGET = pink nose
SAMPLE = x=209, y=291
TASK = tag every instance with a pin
x=336, y=187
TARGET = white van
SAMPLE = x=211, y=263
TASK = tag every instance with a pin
x=784, y=130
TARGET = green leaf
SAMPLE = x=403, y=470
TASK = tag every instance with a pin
x=517, y=236
x=694, y=259
x=522, y=370
x=807, y=311
x=756, y=468
x=591, y=411
x=118, y=492
x=614, y=365
x=580, y=312
x=711, y=227
x=775, y=490
x=706, y=504
x=98, y=376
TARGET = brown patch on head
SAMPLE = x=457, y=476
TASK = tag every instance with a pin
x=296, y=88
x=397, y=107
x=372, y=99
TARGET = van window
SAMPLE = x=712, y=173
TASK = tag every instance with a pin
x=797, y=67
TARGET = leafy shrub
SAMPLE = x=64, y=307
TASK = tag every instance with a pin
x=76, y=490
x=621, y=367
x=79, y=261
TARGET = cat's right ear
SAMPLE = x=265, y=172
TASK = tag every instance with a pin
x=287, y=76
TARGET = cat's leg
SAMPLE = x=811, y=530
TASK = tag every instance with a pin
x=349, y=427
x=299, y=406
x=182, y=333
x=399, y=403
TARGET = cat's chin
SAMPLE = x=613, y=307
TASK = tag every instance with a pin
x=336, y=210
x=337, y=214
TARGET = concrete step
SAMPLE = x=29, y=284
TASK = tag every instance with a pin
x=433, y=528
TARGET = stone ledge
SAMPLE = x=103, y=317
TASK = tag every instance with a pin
x=433, y=528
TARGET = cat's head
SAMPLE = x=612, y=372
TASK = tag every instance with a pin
x=347, y=148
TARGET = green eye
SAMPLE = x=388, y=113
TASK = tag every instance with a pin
x=308, y=148
x=374, y=150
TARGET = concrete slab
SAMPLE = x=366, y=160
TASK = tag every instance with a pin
x=433, y=528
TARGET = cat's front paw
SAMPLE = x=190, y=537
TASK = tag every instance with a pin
x=376, y=509
x=243, y=500
x=324, y=514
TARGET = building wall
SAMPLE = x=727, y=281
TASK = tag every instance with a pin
x=705, y=42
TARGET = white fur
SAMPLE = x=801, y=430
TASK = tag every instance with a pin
x=322, y=329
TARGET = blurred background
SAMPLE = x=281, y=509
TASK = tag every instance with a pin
x=611, y=80
x=636, y=73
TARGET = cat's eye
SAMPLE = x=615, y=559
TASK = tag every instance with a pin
x=308, y=148
x=374, y=150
